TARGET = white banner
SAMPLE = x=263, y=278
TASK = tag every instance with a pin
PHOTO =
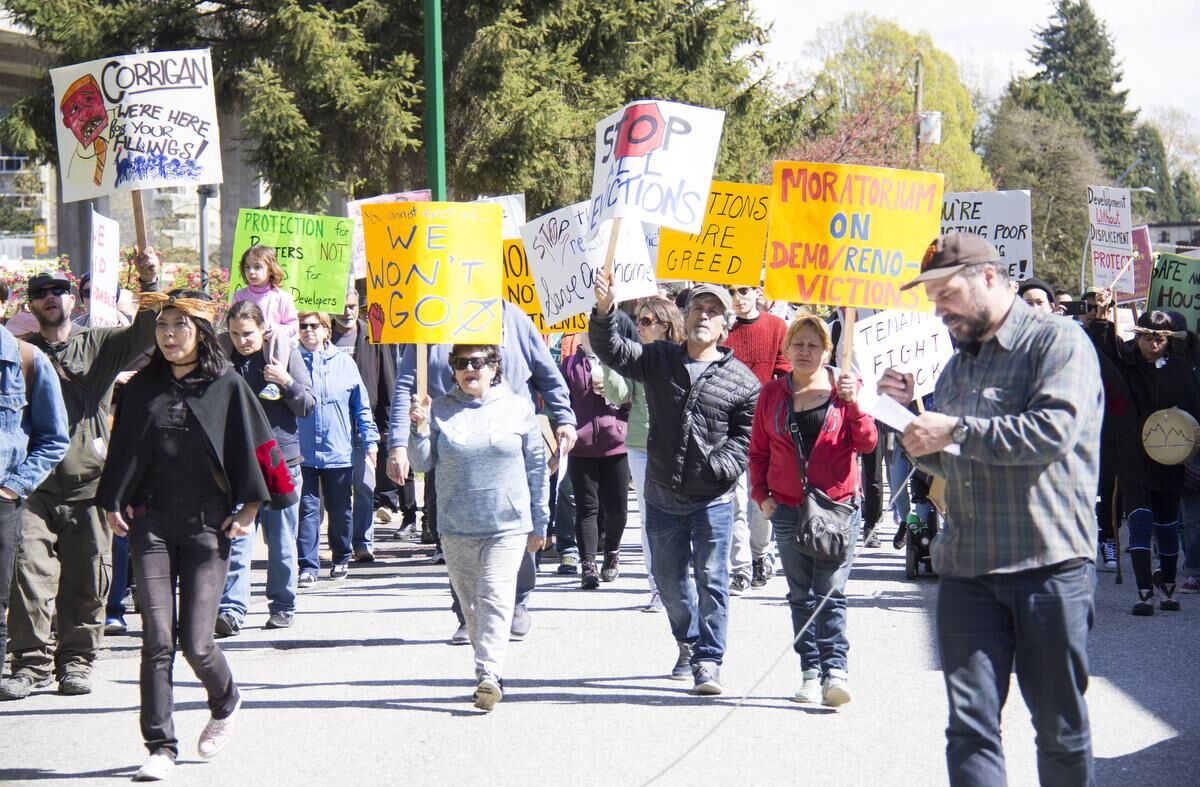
x=358, y=249
x=564, y=258
x=106, y=265
x=136, y=122
x=1002, y=218
x=513, y=216
x=1110, y=231
x=915, y=343
x=654, y=163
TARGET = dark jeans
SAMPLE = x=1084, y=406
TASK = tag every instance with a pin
x=180, y=544
x=872, y=484
x=115, y=607
x=824, y=645
x=1037, y=621
x=600, y=483
x=562, y=514
x=10, y=539
x=334, y=485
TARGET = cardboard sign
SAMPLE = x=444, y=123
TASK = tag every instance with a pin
x=106, y=265
x=433, y=272
x=1175, y=286
x=513, y=216
x=314, y=252
x=519, y=290
x=1003, y=218
x=564, y=256
x=654, y=163
x=1110, y=230
x=845, y=235
x=728, y=249
x=358, y=254
x=136, y=122
x=915, y=343
x=1143, y=266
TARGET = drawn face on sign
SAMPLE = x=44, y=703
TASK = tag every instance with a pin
x=83, y=110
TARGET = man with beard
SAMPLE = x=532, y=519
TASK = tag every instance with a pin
x=701, y=402
x=64, y=561
x=1022, y=400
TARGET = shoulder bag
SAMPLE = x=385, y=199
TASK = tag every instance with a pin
x=823, y=531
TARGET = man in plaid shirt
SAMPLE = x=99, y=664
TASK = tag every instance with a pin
x=1022, y=400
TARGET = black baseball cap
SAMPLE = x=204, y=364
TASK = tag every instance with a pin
x=1035, y=284
x=46, y=279
x=950, y=253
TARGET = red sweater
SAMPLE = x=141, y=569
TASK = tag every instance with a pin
x=832, y=466
x=758, y=344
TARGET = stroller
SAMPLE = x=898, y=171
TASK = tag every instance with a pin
x=920, y=527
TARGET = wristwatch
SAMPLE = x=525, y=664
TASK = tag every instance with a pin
x=961, y=432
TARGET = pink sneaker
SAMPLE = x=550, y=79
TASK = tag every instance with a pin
x=1190, y=585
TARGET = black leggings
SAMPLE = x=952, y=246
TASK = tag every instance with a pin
x=177, y=543
x=599, y=482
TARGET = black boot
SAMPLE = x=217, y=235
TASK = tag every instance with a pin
x=1144, y=608
x=1169, y=603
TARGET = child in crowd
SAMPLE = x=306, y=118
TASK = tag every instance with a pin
x=263, y=275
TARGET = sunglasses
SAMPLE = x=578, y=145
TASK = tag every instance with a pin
x=461, y=364
x=311, y=326
x=740, y=290
x=646, y=322
x=58, y=289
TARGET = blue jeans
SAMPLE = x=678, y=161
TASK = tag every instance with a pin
x=115, y=606
x=823, y=645
x=1190, y=507
x=334, y=485
x=279, y=529
x=1037, y=621
x=562, y=506
x=364, y=500
x=698, y=614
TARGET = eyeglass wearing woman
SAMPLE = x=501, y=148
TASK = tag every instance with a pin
x=485, y=447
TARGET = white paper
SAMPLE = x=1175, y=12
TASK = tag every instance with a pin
x=562, y=462
x=892, y=413
x=512, y=215
x=1003, y=218
x=358, y=247
x=106, y=265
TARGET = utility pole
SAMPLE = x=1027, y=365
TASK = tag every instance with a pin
x=919, y=82
x=435, y=116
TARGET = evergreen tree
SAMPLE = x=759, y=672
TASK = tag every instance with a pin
x=1187, y=199
x=1151, y=170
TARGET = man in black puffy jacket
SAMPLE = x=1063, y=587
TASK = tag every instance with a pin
x=701, y=402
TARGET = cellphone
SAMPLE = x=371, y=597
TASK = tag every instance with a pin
x=1075, y=308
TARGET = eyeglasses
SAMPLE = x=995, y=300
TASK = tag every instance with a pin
x=58, y=289
x=311, y=326
x=476, y=363
x=646, y=321
x=740, y=290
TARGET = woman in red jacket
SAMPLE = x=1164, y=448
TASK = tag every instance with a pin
x=833, y=432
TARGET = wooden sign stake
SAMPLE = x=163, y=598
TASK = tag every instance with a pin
x=850, y=317
x=611, y=254
x=139, y=219
x=422, y=369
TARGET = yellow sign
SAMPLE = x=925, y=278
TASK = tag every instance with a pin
x=728, y=249
x=520, y=291
x=41, y=239
x=433, y=272
x=850, y=236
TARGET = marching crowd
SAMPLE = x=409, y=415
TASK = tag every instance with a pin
x=741, y=437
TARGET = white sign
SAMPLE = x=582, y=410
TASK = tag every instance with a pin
x=1110, y=231
x=654, y=163
x=512, y=216
x=915, y=343
x=136, y=122
x=106, y=265
x=358, y=248
x=1002, y=218
x=564, y=258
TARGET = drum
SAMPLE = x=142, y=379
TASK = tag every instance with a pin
x=1171, y=436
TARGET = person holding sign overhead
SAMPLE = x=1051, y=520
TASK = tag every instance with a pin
x=1022, y=401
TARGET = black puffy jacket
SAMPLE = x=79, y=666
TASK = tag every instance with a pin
x=699, y=434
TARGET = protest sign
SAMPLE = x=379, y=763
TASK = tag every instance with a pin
x=1110, y=231
x=728, y=249
x=653, y=233
x=915, y=343
x=358, y=256
x=564, y=257
x=1175, y=286
x=513, y=216
x=135, y=122
x=845, y=235
x=314, y=252
x=106, y=265
x=519, y=290
x=433, y=272
x=654, y=163
x=1143, y=265
x=1002, y=218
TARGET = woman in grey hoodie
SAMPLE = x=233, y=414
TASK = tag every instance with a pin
x=485, y=446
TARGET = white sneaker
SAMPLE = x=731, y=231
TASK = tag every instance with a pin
x=654, y=604
x=216, y=734
x=156, y=767
x=383, y=515
x=835, y=691
x=810, y=687
x=487, y=694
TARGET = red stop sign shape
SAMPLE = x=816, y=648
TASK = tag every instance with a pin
x=641, y=130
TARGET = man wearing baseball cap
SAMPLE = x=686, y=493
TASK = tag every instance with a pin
x=701, y=402
x=1020, y=404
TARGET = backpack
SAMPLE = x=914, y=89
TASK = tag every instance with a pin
x=28, y=368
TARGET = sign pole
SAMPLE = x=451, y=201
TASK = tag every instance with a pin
x=611, y=254
x=139, y=219
x=849, y=318
x=435, y=141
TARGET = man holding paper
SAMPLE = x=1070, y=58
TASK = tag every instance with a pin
x=1022, y=400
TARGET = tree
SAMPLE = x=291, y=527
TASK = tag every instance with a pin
x=1076, y=79
x=1187, y=198
x=1052, y=158
x=1180, y=132
x=1152, y=170
x=868, y=68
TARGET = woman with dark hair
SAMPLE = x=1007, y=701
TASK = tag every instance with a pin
x=1150, y=492
x=485, y=447
x=189, y=463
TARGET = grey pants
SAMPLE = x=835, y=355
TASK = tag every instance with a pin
x=483, y=572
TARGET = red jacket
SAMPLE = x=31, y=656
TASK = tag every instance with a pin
x=832, y=466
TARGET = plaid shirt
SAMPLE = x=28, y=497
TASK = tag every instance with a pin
x=1022, y=494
